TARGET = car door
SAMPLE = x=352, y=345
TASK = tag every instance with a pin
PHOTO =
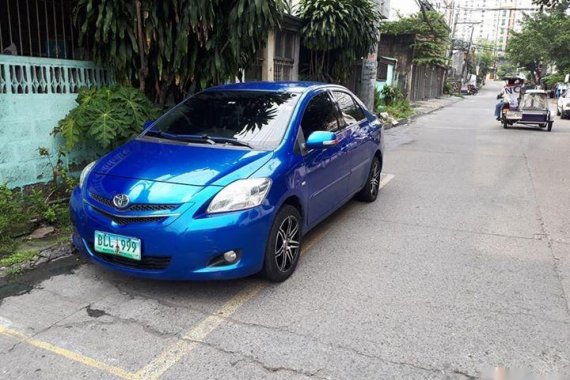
x=327, y=171
x=355, y=125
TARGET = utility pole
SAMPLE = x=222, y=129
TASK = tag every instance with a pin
x=464, y=68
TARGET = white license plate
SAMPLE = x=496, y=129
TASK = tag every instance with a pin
x=514, y=115
x=117, y=245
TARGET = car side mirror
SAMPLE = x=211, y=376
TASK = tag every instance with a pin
x=147, y=124
x=321, y=140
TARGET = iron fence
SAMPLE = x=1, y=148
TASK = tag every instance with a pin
x=39, y=28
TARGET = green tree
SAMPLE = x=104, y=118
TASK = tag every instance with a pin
x=485, y=57
x=542, y=41
x=164, y=46
x=338, y=33
x=432, y=36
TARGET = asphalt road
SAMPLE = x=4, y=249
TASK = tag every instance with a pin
x=460, y=267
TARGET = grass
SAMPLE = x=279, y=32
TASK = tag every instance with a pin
x=18, y=257
x=400, y=109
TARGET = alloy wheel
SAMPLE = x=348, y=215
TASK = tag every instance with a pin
x=287, y=243
x=375, y=179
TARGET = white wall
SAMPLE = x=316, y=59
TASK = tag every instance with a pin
x=403, y=7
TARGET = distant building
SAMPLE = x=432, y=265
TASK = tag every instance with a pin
x=486, y=19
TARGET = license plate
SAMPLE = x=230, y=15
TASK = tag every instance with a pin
x=514, y=115
x=118, y=245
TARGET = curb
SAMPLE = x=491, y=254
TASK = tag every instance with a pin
x=418, y=115
x=46, y=256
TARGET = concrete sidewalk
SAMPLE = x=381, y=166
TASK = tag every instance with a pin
x=426, y=107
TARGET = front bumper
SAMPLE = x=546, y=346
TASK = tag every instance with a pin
x=182, y=247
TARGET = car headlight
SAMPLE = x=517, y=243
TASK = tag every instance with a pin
x=240, y=195
x=85, y=172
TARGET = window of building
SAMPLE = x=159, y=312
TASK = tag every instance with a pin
x=284, y=44
x=382, y=73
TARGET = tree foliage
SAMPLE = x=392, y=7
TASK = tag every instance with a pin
x=542, y=41
x=338, y=33
x=185, y=43
x=547, y=3
x=432, y=36
x=484, y=58
x=109, y=116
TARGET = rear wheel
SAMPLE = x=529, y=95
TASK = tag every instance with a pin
x=369, y=192
x=550, y=126
x=505, y=123
x=284, y=245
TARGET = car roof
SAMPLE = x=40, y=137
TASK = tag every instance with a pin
x=270, y=86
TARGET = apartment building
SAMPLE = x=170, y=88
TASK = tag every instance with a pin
x=486, y=19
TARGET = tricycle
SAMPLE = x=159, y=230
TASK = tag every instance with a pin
x=530, y=108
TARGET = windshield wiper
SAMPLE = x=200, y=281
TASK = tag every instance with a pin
x=229, y=140
x=188, y=138
x=199, y=138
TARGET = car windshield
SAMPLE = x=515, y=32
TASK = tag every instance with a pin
x=535, y=101
x=257, y=119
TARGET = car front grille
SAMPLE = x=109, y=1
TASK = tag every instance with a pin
x=135, y=206
x=123, y=220
x=146, y=262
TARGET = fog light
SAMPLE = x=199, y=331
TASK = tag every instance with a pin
x=230, y=256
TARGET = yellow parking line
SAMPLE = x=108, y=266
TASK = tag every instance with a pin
x=198, y=333
x=116, y=371
x=385, y=179
x=168, y=358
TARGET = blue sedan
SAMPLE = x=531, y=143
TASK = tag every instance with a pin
x=228, y=182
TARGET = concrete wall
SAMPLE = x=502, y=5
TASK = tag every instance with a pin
x=26, y=121
x=35, y=93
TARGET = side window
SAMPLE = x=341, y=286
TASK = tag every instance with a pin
x=320, y=115
x=351, y=111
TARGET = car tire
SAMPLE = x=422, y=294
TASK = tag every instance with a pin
x=558, y=113
x=550, y=126
x=369, y=192
x=284, y=245
x=505, y=124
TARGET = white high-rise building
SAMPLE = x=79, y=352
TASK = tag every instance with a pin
x=491, y=20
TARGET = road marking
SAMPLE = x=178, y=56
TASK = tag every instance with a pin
x=198, y=334
x=385, y=179
x=90, y=362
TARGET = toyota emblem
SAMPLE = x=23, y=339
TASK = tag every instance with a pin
x=121, y=200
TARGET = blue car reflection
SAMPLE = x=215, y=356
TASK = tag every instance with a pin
x=226, y=183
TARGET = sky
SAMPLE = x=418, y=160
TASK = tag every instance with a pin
x=405, y=7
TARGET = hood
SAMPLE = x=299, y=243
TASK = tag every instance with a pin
x=181, y=163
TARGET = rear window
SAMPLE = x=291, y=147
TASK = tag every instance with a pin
x=257, y=118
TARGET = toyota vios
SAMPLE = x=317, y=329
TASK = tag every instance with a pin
x=226, y=183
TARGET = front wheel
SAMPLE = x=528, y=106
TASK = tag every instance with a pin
x=284, y=245
x=369, y=192
x=550, y=126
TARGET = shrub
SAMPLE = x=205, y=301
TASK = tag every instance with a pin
x=400, y=109
x=109, y=116
x=11, y=217
x=391, y=94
